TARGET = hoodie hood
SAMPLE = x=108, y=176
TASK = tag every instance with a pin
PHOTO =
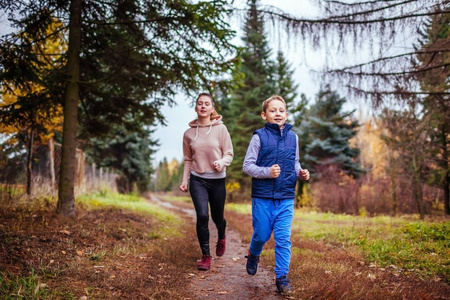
x=216, y=120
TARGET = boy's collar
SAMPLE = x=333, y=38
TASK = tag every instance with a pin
x=274, y=126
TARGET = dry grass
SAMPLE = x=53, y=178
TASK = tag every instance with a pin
x=101, y=254
x=320, y=270
x=120, y=254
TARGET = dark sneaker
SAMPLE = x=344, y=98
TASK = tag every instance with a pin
x=284, y=285
x=220, y=247
x=205, y=263
x=252, y=263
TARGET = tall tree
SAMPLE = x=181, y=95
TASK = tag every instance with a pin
x=264, y=76
x=343, y=27
x=435, y=80
x=285, y=85
x=124, y=60
x=258, y=84
x=408, y=136
x=325, y=133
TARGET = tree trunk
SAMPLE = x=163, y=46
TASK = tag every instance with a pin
x=51, y=154
x=445, y=166
x=66, y=197
x=29, y=158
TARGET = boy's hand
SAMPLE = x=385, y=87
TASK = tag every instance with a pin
x=275, y=171
x=303, y=174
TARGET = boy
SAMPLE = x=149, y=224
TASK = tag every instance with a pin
x=272, y=160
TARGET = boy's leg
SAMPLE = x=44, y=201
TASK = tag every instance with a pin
x=262, y=210
x=282, y=235
x=199, y=194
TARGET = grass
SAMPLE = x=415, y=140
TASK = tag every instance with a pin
x=172, y=197
x=27, y=287
x=108, y=199
x=397, y=242
x=117, y=246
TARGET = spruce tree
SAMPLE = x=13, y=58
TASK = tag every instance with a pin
x=258, y=84
x=324, y=135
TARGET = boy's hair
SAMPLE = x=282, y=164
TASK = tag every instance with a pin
x=270, y=99
x=214, y=112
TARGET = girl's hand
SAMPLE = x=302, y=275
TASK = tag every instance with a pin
x=303, y=174
x=216, y=166
x=183, y=187
x=275, y=171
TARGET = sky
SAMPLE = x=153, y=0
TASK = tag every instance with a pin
x=177, y=118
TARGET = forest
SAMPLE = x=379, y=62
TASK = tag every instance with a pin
x=85, y=82
x=88, y=212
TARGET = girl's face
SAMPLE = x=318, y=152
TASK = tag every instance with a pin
x=275, y=113
x=204, y=107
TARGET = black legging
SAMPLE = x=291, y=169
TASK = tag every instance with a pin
x=212, y=191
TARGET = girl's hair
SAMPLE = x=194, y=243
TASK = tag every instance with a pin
x=270, y=99
x=214, y=112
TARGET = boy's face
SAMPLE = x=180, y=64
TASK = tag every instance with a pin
x=275, y=113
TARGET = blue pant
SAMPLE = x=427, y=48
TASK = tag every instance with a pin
x=273, y=216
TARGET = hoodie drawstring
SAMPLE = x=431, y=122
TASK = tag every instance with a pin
x=210, y=127
x=196, y=131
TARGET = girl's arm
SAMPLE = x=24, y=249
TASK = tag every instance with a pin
x=227, y=150
x=187, y=160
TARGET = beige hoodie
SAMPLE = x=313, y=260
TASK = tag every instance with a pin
x=205, y=144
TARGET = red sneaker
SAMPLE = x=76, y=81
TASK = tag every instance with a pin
x=220, y=247
x=205, y=263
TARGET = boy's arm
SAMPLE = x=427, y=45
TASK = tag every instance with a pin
x=298, y=166
x=249, y=167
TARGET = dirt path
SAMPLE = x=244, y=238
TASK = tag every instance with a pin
x=227, y=278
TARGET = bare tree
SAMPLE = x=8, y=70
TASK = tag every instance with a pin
x=373, y=26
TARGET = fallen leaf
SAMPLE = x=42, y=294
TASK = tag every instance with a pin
x=80, y=253
x=65, y=232
x=63, y=252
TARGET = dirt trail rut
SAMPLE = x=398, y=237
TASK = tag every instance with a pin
x=227, y=278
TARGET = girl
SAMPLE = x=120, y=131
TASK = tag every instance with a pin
x=207, y=152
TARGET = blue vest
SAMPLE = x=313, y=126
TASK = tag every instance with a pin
x=276, y=149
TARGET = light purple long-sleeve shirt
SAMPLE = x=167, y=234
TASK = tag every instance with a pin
x=250, y=168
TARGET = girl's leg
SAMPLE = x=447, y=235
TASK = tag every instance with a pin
x=200, y=198
x=284, y=212
x=217, y=194
x=262, y=224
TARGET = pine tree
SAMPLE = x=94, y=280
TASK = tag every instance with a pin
x=124, y=60
x=259, y=83
x=285, y=86
x=324, y=135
